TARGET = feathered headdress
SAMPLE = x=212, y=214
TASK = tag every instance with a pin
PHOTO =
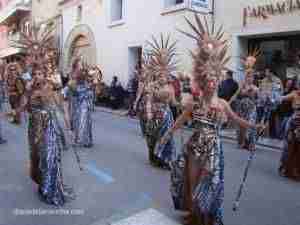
x=91, y=73
x=250, y=61
x=36, y=42
x=162, y=56
x=210, y=56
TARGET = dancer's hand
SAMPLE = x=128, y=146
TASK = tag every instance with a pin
x=164, y=140
x=260, y=128
x=11, y=113
x=70, y=135
x=135, y=106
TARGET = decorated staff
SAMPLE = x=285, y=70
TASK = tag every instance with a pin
x=197, y=177
x=249, y=63
x=236, y=203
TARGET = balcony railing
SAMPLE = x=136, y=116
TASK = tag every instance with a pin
x=9, y=50
x=14, y=37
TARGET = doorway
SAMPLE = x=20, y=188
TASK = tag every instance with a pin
x=134, y=60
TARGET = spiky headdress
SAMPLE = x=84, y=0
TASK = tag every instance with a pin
x=250, y=61
x=36, y=42
x=162, y=56
x=210, y=56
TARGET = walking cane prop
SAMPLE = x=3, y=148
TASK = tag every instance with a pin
x=74, y=149
x=242, y=185
x=77, y=157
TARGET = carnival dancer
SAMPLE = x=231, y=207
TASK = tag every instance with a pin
x=45, y=133
x=270, y=89
x=80, y=91
x=198, y=175
x=247, y=100
x=159, y=95
x=290, y=159
x=16, y=87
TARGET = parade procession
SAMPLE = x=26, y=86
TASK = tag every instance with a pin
x=207, y=131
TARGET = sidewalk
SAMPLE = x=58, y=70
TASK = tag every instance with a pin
x=227, y=134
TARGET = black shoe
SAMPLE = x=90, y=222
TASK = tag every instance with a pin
x=88, y=146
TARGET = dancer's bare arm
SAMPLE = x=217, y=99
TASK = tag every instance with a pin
x=235, y=117
x=139, y=95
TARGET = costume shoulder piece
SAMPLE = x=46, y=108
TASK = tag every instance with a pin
x=210, y=56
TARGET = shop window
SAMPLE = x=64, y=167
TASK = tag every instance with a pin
x=116, y=10
x=202, y=6
x=170, y=3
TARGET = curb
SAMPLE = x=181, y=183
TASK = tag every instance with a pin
x=228, y=137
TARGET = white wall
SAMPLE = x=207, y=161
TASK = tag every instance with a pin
x=43, y=10
x=142, y=19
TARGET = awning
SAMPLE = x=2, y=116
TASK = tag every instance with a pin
x=8, y=52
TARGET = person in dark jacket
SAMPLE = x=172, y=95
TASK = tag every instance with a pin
x=116, y=93
x=228, y=87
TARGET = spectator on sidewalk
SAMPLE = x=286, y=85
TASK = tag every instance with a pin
x=228, y=87
x=116, y=93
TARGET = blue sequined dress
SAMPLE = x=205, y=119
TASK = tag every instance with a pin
x=46, y=142
x=82, y=106
x=247, y=111
x=164, y=152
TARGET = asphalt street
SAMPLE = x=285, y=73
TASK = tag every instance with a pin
x=118, y=182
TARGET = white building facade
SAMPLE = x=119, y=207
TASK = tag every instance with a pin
x=113, y=33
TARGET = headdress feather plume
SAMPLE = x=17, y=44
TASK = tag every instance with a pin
x=210, y=56
x=161, y=60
